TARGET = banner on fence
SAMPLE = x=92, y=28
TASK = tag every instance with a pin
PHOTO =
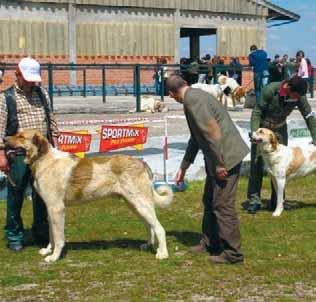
x=116, y=137
x=74, y=142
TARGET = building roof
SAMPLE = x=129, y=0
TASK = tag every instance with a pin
x=277, y=13
x=245, y=7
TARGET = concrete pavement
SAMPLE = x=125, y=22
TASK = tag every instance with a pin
x=76, y=113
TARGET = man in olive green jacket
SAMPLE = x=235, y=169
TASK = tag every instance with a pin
x=277, y=102
x=214, y=133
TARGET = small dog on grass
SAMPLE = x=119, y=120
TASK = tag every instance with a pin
x=283, y=162
x=63, y=179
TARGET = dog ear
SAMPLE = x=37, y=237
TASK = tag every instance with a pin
x=227, y=90
x=274, y=141
x=41, y=143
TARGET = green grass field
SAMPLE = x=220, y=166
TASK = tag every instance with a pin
x=104, y=263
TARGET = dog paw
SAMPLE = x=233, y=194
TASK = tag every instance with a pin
x=146, y=247
x=51, y=258
x=277, y=213
x=162, y=255
x=45, y=251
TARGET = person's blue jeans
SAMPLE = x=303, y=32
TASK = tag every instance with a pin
x=260, y=80
x=20, y=176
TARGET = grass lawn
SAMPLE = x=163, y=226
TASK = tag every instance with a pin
x=104, y=263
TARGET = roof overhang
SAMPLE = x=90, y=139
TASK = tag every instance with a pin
x=279, y=15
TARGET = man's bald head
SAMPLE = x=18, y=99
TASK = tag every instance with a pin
x=175, y=83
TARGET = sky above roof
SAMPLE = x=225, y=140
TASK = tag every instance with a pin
x=288, y=38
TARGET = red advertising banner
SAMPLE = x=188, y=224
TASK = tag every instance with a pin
x=74, y=142
x=116, y=137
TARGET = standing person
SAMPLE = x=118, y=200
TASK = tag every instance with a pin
x=1, y=76
x=285, y=59
x=23, y=106
x=303, y=68
x=2, y=69
x=277, y=101
x=157, y=77
x=214, y=133
x=258, y=60
x=277, y=72
x=204, y=69
x=310, y=69
x=235, y=73
x=287, y=66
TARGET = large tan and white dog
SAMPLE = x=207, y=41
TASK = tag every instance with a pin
x=283, y=162
x=62, y=179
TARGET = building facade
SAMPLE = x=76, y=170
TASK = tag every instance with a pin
x=129, y=31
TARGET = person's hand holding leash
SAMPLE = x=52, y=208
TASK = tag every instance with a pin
x=179, y=176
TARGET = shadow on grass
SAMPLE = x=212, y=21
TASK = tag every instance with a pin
x=289, y=205
x=186, y=238
x=105, y=244
x=89, y=245
x=297, y=204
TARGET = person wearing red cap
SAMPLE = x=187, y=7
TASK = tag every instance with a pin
x=23, y=106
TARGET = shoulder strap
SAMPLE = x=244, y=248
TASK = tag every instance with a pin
x=12, y=118
x=45, y=104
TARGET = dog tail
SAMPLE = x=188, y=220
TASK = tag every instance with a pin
x=163, y=196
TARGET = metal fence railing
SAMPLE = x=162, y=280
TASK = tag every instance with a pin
x=131, y=79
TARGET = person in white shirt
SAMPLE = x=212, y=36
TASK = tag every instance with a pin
x=303, y=68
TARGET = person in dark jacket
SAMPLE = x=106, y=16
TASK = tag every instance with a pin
x=258, y=60
x=277, y=70
x=214, y=133
x=277, y=102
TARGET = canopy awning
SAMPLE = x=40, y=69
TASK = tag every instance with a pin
x=278, y=15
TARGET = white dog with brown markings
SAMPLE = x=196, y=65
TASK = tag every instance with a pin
x=227, y=91
x=283, y=162
x=62, y=179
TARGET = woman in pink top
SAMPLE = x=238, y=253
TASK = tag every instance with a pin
x=310, y=76
x=303, y=69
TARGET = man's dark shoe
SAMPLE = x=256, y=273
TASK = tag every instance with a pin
x=253, y=208
x=198, y=249
x=245, y=204
x=15, y=247
x=221, y=259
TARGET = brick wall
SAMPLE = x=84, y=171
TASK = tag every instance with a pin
x=93, y=76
